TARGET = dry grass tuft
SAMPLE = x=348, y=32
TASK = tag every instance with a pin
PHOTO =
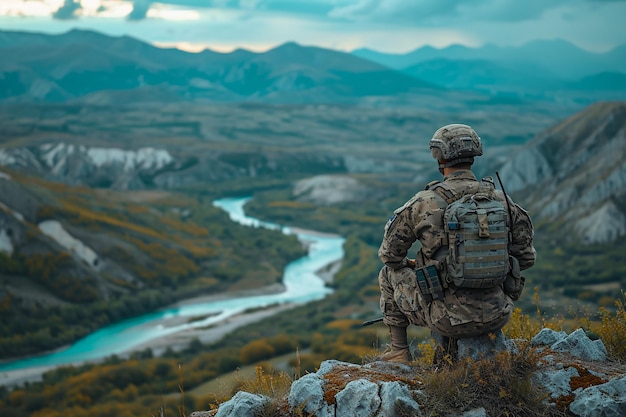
x=612, y=329
x=502, y=386
x=273, y=384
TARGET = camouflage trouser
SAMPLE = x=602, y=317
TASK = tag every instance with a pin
x=462, y=313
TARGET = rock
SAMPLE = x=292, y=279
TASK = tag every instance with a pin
x=242, y=404
x=481, y=347
x=358, y=399
x=396, y=400
x=607, y=400
x=578, y=344
x=307, y=394
x=384, y=389
x=328, y=365
x=329, y=189
x=547, y=337
x=556, y=382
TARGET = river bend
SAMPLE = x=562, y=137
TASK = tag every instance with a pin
x=300, y=280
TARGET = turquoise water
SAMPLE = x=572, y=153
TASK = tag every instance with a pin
x=300, y=281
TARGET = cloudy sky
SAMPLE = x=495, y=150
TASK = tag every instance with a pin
x=385, y=25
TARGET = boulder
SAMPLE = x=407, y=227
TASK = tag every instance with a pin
x=607, y=400
x=307, y=394
x=481, y=347
x=242, y=404
x=358, y=399
x=578, y=344
x=396, y=400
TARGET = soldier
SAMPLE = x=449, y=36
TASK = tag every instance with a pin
x=425, y=291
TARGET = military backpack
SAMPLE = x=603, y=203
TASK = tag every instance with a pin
x=477, y=230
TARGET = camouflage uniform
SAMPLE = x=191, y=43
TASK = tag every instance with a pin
x=464, y=312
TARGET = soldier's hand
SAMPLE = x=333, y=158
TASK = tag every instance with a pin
x=411, y=263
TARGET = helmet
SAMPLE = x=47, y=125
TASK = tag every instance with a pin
x=455, y=144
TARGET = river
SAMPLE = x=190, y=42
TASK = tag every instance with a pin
x=300, y=280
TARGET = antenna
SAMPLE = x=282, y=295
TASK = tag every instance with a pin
x=506, y=198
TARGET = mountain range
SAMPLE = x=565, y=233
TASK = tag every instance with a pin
x=552, y=57
x=92, y=67
x=79, y=63
x=539, y=68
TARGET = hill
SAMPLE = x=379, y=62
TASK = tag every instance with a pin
x=552, y=70
x=556, y=57
x=574, y=173
x=80, y=63
x=74, y=259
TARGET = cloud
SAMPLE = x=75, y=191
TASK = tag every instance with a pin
x=436, y=12
x=68, y=10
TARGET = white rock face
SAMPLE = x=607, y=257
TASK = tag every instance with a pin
x=308, y=393
x=358, y=398
x=20, y=158
x=55, y=230
x=575, y=174
x=607, y=400
x=55, y=155
x=329, y=189
x=605, y=224
x=528, y=167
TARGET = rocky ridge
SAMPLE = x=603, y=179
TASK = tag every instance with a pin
x=574, y=174
x=78, y=164
x=573, y=373
x=150, y=167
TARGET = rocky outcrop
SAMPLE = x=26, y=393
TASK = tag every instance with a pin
x=574, y=174
x=572, y=370
x=94, y=166
x=330, y=189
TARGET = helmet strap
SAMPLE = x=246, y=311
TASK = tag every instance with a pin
x=456, y=161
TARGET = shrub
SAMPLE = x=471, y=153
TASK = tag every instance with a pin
x=612, y=329
x=256, y=350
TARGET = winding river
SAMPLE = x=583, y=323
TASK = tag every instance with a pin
x=300, y=281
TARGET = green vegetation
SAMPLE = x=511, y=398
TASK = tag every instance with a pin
x=176, y=246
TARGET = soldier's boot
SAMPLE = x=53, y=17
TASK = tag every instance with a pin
x=398, y=349
x=400, y=355
x=446, y=350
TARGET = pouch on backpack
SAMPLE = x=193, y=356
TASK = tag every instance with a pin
x=514, y=282
x=476, y=226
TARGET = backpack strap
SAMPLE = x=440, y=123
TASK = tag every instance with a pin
x=445, y=191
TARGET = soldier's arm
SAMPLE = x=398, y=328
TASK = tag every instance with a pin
x=522, y=235
x=398, y=239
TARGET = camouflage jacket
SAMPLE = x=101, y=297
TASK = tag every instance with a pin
x=420, y=218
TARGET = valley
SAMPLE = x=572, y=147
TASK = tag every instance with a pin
x=128, y=160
